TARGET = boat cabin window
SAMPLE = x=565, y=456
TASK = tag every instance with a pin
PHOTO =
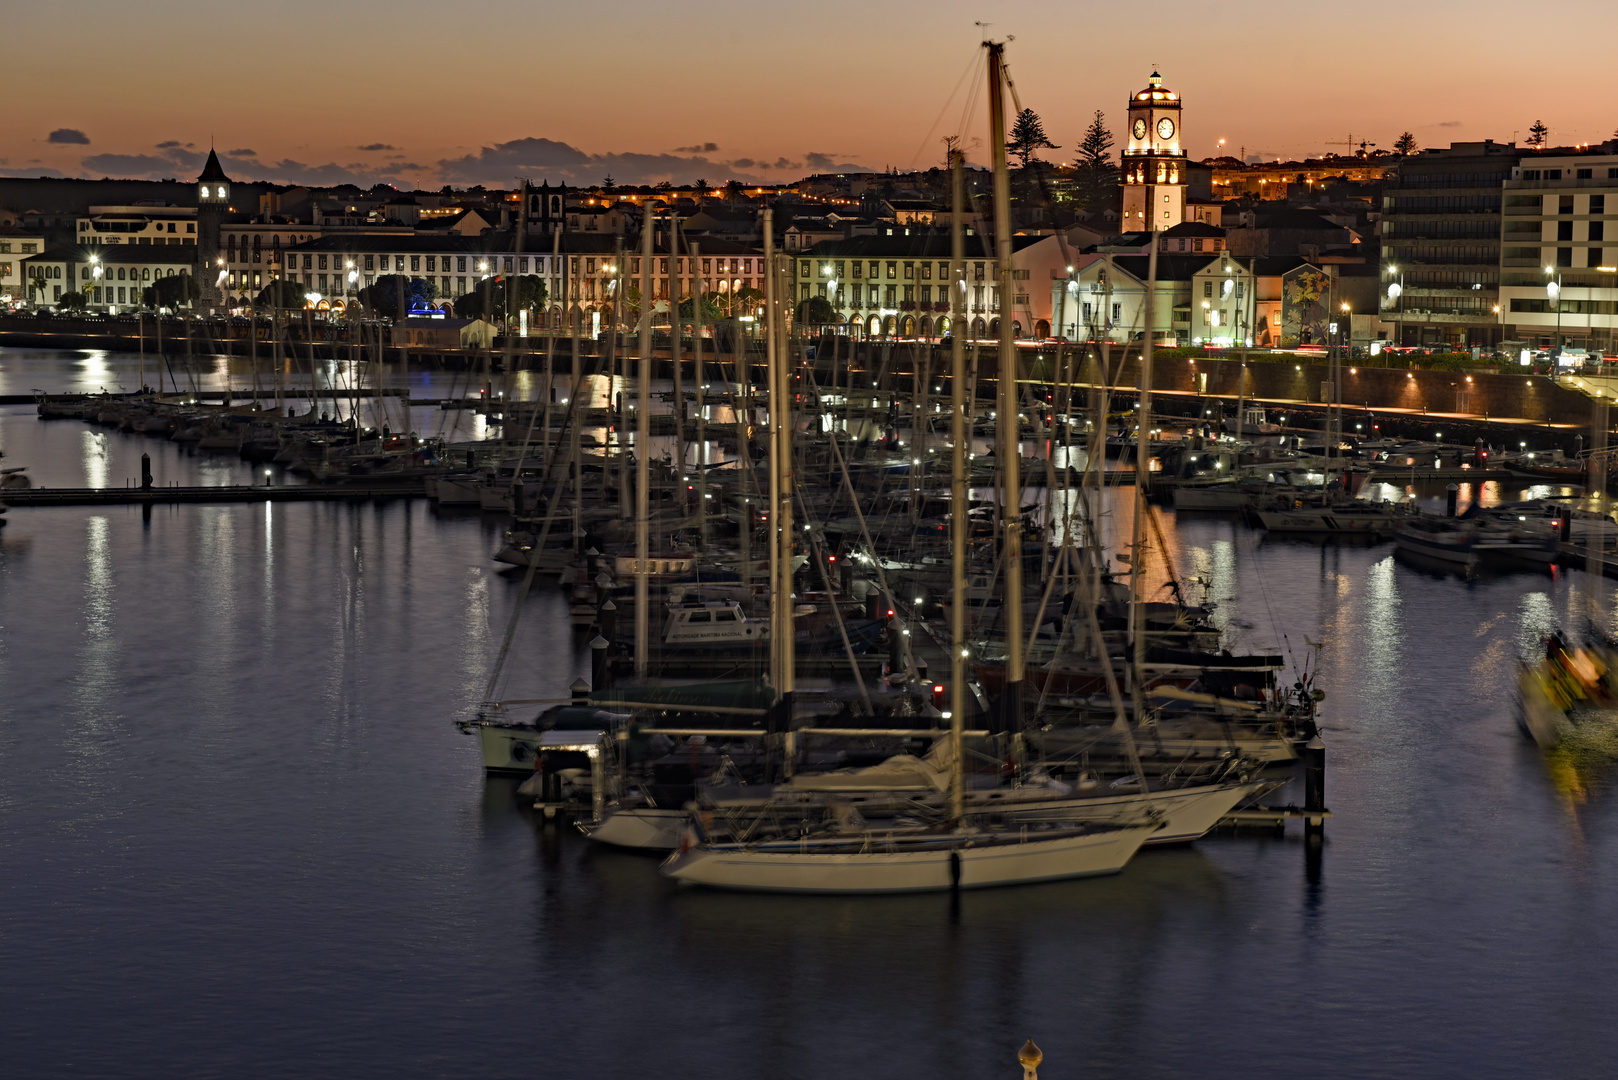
x=700, y=616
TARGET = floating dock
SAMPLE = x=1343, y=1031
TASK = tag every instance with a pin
x=136, y=496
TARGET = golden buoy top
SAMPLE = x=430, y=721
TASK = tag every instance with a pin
x=1030, y=1055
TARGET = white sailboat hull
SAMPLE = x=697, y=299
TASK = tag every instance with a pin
x=977, y=861
x=508, y=749
x=646, y=828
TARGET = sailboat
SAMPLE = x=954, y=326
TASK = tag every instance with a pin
x=830, y=845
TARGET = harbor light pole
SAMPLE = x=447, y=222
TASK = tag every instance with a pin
x=1553, y=289
x=1395, y=293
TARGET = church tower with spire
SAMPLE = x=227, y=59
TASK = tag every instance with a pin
x=213, y=203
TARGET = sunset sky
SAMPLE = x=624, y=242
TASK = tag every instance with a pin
x=421, y=94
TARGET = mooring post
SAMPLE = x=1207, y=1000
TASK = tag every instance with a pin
x=1452, y=498
x=145, y=471
x=599, y=676
x=1314, y=786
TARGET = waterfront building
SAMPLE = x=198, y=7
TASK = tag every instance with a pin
x=139, y=224
x=1104, y=298
x=16, y=245
x=1441, y=244
x=896, y=284
x=108, y=277
x=1559, y=252
x=1154, y=167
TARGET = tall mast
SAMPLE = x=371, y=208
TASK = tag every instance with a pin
x=643, y=431
x=957, y=494
x=1143, y=480
x=781, y=481
x=1006, y=425
x=702, y=424
x=674, y=363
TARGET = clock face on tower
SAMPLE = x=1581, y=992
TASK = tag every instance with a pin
x=1140, y=129
x=1165, y=128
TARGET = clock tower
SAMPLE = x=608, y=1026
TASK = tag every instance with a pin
x=213, y=203
x=1154, y=166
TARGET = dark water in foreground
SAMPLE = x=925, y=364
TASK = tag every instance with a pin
x=239, y=837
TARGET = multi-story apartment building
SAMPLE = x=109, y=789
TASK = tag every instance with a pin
x=897, y=284
x=1559, y=252
x=1441, y=244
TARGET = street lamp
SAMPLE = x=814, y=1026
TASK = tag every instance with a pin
x=1607, y=270
x=1553, y=289
x=1395, y=293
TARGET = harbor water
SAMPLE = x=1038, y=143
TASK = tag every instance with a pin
x=239, y=835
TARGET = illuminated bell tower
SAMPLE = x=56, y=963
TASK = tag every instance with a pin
x=1154, y=165
x=213, y=203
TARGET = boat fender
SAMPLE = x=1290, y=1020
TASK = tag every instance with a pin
x=1318, y=695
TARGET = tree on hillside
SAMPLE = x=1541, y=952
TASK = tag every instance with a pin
x=1405, y=145
x=1538, y=134
x=1028, y=137
x=1096, y=176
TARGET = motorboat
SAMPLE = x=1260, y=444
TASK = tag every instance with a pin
x=713, y=623
x=1445, y=539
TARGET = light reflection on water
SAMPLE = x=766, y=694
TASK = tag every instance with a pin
x=239, y=834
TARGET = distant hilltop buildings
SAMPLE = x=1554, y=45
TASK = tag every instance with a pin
x=1478, y=244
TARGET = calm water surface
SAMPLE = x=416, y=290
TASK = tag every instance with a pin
x=239, y=836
